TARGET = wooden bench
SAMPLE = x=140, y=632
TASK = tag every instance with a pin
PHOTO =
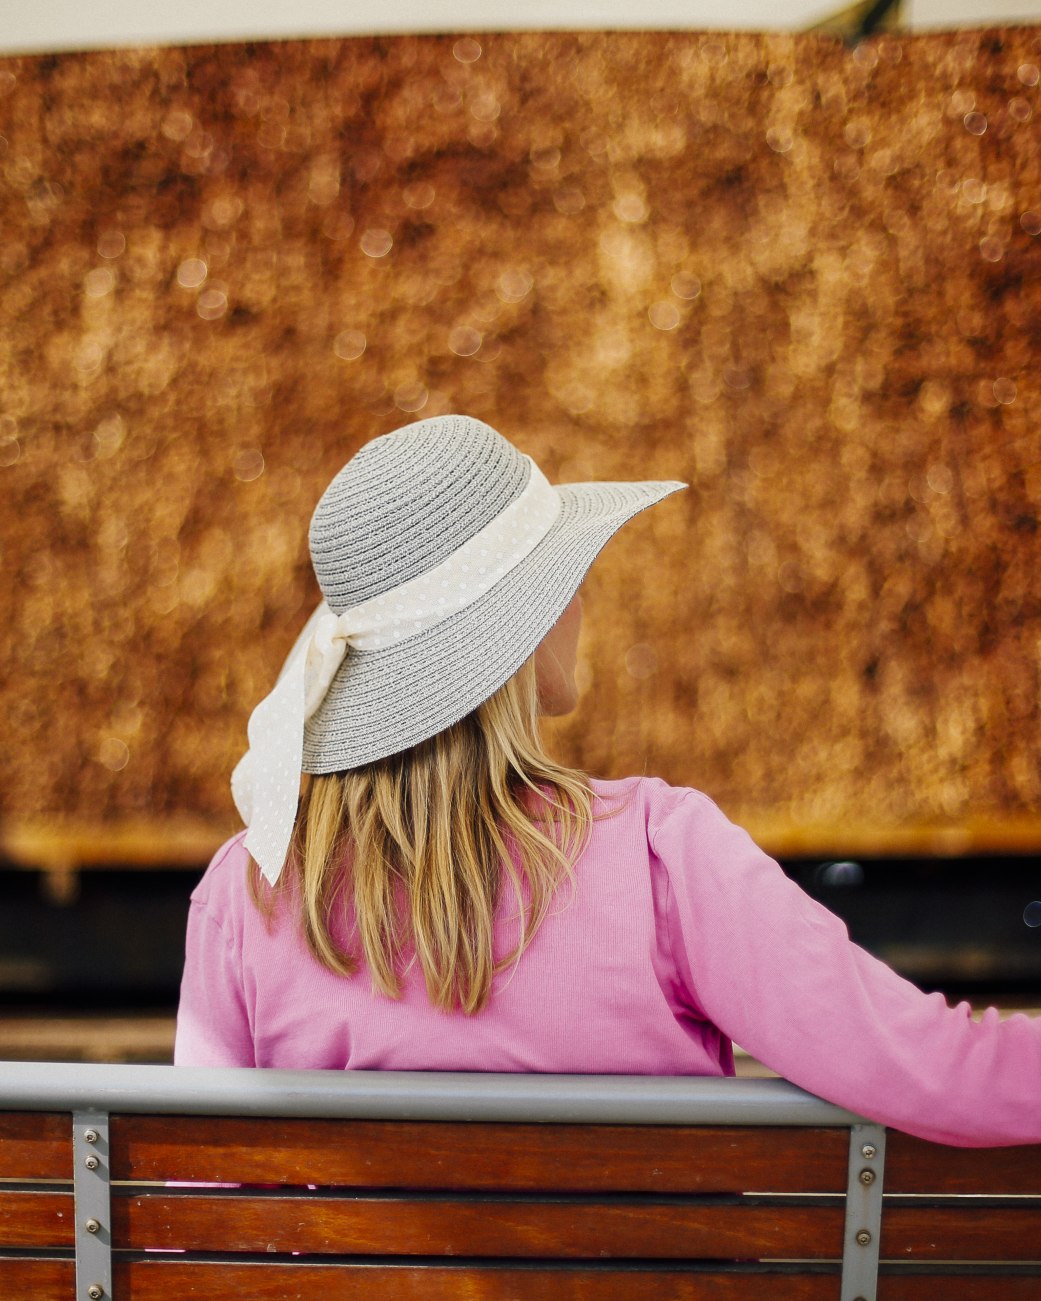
x=488, y=1188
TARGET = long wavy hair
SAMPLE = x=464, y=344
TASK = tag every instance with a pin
x=411, y=855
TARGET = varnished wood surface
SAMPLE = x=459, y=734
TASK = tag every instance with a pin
x=44, y=1280
x=37, y=1280
x=36, y=1219
x=175, y=1281
x=533, y=1161
x=35, y=1146
x=914, y=1166
x=520, y=1157
x=480, y=1227
x=958, y=1232
x=951, y=1287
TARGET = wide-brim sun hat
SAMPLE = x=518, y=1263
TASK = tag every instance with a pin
x=444, y=558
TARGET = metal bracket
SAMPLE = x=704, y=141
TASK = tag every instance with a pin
x=91, y=1179
x=867, y=1160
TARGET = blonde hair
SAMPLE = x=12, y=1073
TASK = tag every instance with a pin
x=412, y=853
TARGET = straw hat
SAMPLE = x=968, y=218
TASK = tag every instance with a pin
x=444, y=557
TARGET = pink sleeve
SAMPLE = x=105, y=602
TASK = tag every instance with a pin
x=778, y=973
x=212, y=1024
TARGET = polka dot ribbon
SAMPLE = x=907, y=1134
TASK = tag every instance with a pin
x=266, y=782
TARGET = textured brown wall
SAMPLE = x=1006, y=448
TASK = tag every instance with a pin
x=804, y=278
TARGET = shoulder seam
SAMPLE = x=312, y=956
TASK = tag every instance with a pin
x=687, y=793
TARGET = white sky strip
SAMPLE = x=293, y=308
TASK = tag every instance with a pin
x=39, y=26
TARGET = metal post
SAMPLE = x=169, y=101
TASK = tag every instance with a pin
x=91, y=1186
x=867, y=1158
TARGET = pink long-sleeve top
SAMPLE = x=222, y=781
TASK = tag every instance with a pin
x=680, y=936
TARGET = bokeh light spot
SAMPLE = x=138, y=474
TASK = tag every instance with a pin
x=212, y=304
x=641, y=661
x=464, y=341
x=349, y=344
x=466, y=50
x=685, y=286
x=844, y=875
x=514, y=284
x=420, y=195
x=485, y=108
x=338, y=225
x=192, y=273
x=177, y=125
x=664, y=316
x=248, y=464
x=114, y=754
x=376, y=242
x=631, y=208
x=99, y=282
x=411, y=397
x=961, y=102
x=111, y=244
x=568, y=200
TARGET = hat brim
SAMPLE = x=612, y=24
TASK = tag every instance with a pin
x=383, y=701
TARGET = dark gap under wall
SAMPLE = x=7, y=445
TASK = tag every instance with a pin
x=951, y=924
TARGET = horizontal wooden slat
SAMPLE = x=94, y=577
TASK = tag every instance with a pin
x=960, y=1232
x=481, y=1227
x=37, y=1280
x=949, y=1287
x=914, y=1166
x=493, y=1156
x=35, y=1146
x=36, y=1219
x=161, y=1281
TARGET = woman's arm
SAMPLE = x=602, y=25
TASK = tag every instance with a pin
x=778, y=973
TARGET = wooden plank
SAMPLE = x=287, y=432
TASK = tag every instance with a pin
x=914, y=1166
x=161, y=1280
x=37, y=1280
x=960, y=1232
x=480, y=1227
x=36, y=1219
x=951, y=1287
x=35, y=1145
x=577, y=1158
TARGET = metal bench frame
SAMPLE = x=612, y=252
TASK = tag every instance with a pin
x=92, y=1092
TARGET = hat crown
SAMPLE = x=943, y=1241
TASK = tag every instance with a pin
x=407, y=501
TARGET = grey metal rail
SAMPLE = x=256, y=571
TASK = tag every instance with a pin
x=411, y=1095
x=93, y=1093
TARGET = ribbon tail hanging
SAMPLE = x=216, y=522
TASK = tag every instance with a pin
x=268, y=777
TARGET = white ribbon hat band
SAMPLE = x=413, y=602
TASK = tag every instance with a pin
x=266, y=782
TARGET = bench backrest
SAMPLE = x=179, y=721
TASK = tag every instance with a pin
x=513, y=1194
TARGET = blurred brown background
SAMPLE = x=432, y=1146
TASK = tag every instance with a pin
x=801, y=276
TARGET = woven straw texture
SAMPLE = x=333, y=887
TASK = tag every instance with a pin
x=403, y=505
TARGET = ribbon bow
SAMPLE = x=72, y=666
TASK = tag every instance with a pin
x=266, y=782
